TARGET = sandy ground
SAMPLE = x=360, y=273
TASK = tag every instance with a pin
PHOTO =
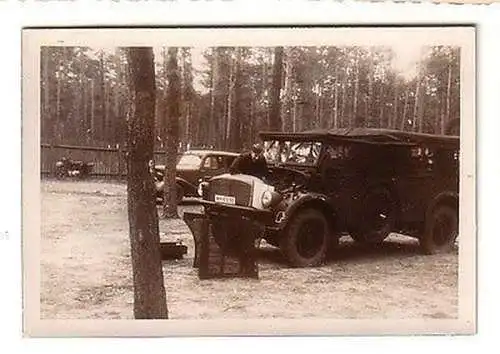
x=86, y=271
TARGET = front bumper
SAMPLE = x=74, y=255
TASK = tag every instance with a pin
x=264, y=216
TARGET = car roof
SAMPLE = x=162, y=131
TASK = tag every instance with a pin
x=375, y=136
x=211, y=152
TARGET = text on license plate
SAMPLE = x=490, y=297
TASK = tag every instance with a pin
x=225, y=199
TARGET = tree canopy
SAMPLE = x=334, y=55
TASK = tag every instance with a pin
x=228, y=100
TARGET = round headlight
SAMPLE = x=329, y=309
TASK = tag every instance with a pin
x=267, y=198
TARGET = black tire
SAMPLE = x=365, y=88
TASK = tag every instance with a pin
x=307, y=239
x=441, y=230
x=376, y=219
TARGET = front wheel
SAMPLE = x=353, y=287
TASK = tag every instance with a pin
x=306, y=241
x=441, y=230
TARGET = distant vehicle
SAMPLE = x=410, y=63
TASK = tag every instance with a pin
x=194, y=167
x=323, y=183
x=73, y=168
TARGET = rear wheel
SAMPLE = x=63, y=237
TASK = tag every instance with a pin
x=377, y=217
x=306, y=241
x=441, y=230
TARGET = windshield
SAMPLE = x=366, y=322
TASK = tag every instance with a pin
x=291, y=152
x=189, y=161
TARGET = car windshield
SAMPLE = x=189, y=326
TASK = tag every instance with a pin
x=189, y=161
x=292, y=152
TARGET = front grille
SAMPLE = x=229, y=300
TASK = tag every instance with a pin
x=240, y=190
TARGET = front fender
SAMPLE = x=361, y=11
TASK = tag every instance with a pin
x=187, y=186
x=304, y=200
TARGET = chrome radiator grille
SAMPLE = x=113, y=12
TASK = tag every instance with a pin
x=240, y=190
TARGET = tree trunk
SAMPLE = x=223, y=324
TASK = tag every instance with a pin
x=211, y=132
x=420, y=112
x=229, y=116
x=336, y=102
x=416, y=124
x=317, y=110
x=448, y=100
x=383, y=121
x=217, y=129
x=149, y=290
x=354, y=117
x=47, y=118
x=294, y=116
x=405, y=109
x=209, y=126
x=342, y=111
x=92, y=134
x=103, y=100
x=235, y=121
x=274, y=114
x=395, y=112
x=188, y=131
x=265, y=90
x=369, y=118
x=58, y=107
x=287, y=99
x=86, y=124
x=171, y=136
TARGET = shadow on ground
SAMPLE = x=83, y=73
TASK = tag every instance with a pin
x=350, y=251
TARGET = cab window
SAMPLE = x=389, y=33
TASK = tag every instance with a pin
x=212, y=163
x=338, y=152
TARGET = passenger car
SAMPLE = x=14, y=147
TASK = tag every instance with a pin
x=323, y=183
x=193, y=167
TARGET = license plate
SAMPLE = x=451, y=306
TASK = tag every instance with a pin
x=225, y=199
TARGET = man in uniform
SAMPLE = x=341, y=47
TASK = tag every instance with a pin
x=251, y=163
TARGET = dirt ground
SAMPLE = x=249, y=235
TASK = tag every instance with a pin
x=86, y=271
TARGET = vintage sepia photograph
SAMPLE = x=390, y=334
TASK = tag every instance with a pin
x=219, y=181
